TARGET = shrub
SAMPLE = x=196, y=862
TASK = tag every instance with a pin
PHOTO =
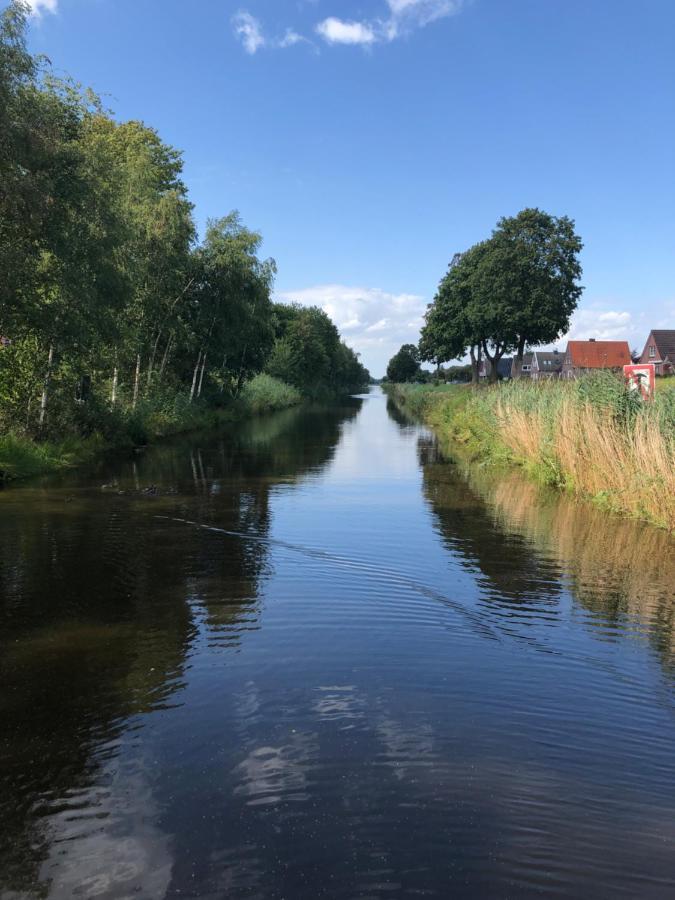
x=265, y=393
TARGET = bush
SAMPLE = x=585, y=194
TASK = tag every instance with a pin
x=265, y=393
x=590, y=436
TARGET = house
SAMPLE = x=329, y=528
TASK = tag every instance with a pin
x=660, y=350
x=591, y=355
x=546, y=364
x=526, y=370
x=503, y=367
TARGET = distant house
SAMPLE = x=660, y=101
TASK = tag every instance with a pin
x=503, y=367
x=660, y=350
x=4, y=342
x=526, y=370
x=546, y=364
x=591, y=355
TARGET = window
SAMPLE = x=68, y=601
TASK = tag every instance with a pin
x=652, y=351
x=526, y=368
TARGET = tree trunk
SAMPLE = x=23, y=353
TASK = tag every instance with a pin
x=493, y=374
x=152, y=356
x=194, y=376
x=240, y=377
x=475, y=364
x=113, y=390
x=137, y=378
x=517, y=368
x=167, y=350
x=222, y=383
x=201, y=376
x=45, y=387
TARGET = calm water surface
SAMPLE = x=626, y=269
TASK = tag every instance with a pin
x=309, y=657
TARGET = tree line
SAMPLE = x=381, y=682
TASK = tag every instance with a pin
x=107, y=297
x=515, y=290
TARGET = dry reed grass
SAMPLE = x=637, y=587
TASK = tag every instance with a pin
x=631, y=467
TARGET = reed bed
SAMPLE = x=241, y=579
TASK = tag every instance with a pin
x=590, y=436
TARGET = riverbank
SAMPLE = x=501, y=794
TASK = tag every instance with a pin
x=589, y=437
x=21, y=456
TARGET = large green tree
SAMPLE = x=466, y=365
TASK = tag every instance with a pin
x=404, y=365
x=526, y=286
x=518, y=288
x=453, y=326
x=309, y=354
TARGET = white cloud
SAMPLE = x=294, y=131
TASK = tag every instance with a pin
x=38, y=6
x=291, y=38
x=337, y=31
x=605, y=325
x=404, y=16
x=249, y=31
x=373, y=322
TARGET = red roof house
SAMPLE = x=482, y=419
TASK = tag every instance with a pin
x=660, y=350
x=587, y=356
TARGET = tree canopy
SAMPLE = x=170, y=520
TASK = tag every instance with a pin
x=404, y=365
x=108, y=299
x=516, y=289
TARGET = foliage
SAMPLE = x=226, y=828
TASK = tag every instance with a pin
x=264, y=394
x=404, y=366
x=590, y=436
x=516, y=289
x=115, y=321
x=309, y=354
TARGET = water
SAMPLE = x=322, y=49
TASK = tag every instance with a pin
x=310, y=657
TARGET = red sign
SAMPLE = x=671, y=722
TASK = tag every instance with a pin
x=641, y=377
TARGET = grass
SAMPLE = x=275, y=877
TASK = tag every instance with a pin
x=164, y=414
x=589, y=437
x=264, y=394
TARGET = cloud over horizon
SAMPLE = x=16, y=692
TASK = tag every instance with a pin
x=37, y=7
x=396, y=18
x=404, y=17
x=373, y=322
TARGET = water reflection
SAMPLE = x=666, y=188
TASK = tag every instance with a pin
x=404, y=681
x=101, y=605
x=542, y=544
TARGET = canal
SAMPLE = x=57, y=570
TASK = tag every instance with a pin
x=309, y=656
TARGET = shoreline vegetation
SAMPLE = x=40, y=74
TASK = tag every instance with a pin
x=121, y=323
x=590, y=438
x=22, y=457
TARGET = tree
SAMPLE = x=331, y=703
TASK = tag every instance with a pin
x=231, y=310
x=452, y=327
x=309, y=354
x=525, y=287
x=404, y=365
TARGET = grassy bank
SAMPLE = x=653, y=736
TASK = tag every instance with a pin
x=164, y=415
x=589, y=437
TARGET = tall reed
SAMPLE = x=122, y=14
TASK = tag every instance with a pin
x=590, y=436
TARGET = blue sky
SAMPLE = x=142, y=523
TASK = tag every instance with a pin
x=369, y=141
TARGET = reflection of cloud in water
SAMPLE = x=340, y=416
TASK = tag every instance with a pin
x=270, y=775
x=337, y=702
x=115, y=852
x=405, y=748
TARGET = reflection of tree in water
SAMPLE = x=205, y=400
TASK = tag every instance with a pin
x=524, y=538
x=398, y=415
x=622, y=572
x=511, y=571
x=97, y=602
